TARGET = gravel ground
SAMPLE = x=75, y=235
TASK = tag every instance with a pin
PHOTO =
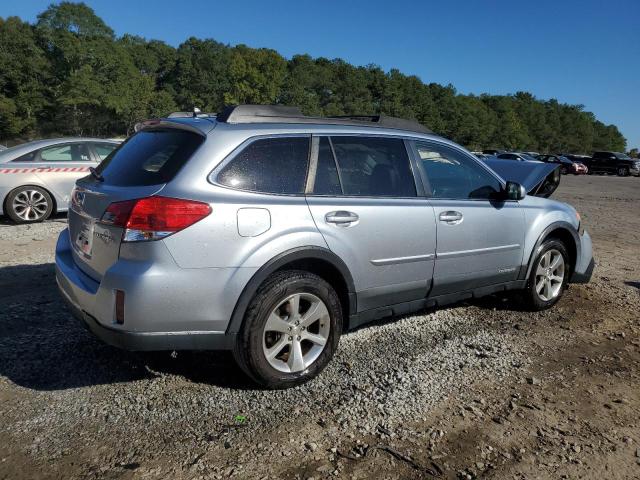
x=476, y=390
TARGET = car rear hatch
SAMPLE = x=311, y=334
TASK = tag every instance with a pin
x=138, y=169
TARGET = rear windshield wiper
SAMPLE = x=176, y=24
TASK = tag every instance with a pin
x=96, y=174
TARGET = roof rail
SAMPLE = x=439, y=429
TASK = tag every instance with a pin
x=285, y=114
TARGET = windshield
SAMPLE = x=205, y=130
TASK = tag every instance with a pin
x=526, y=156
x=622, y=156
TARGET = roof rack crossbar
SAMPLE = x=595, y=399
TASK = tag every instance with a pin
x=285, y=114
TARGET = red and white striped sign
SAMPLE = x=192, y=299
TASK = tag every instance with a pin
x=44, y=169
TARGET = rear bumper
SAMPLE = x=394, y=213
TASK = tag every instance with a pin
x=585, y=264
x=150, y=341
x=166, y=307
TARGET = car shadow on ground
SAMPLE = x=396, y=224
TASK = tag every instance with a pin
x=43, y=347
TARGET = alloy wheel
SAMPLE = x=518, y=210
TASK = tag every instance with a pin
x=296, y=333
x=30, y=205
x=550, y=275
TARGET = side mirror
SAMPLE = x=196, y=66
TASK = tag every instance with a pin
x=514, y=191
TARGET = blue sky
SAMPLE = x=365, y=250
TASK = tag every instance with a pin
x=578, y=51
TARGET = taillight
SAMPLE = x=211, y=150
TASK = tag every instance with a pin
x=154, y=218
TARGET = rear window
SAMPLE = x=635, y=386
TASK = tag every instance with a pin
x=149, y=157
x=269, y=165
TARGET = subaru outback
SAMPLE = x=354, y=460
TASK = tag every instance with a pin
x=269, y=233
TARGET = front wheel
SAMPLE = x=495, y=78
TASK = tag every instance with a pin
x=29, y=204
x=290, y=331
x=623, y=171
x=549, y=275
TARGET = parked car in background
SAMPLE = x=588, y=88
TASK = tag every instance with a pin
x=577, y=158
x=36, y=178
x=484, y=156
x=269, y=233
x=614, y=162
x=2, y=147
x=492, y=151
x=566, y=165
x=518, y=156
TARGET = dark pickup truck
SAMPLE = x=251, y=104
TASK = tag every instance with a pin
x=614, y=162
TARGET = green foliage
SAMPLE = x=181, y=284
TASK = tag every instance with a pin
x=76, y=18
x=69, y=74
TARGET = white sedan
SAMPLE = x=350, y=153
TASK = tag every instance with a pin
x=36, y=178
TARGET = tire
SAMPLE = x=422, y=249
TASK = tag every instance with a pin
x=623, y=171
x=269, y=331
x=28, y=204
x=563, y=170
x=542, y=291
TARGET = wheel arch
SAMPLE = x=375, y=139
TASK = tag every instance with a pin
x=54, y=209
x=318, y=260
x=563, y=231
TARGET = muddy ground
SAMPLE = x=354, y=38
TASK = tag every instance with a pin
x=478, y=390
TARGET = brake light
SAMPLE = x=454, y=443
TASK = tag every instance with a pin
x=154, y=218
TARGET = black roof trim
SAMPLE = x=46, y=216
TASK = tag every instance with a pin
x=284, y=114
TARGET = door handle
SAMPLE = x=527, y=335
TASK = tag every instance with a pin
x=450, y=217
x=341, y=217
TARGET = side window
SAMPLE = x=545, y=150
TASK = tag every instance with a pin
x=373, y=167
x=269, y=165
x=27, y=157
x=327, y=181
x=103, y=149
x=451, y=174
x=75, y=152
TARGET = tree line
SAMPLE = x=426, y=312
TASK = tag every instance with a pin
x=68, y=74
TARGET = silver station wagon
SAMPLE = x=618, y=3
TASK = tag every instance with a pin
x=36, y=178
x=269, y=233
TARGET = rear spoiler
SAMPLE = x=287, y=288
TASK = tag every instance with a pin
x=181, y=123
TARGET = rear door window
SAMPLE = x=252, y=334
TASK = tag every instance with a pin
x=150, y=157
x=327, y=181
x=366, y=167
x=269, y=165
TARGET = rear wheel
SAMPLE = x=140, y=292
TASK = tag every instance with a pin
x=29, y=204
x=290, y=331
x=549, y=275
x=623, y=171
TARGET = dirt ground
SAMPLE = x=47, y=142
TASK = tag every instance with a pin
x=478, y=390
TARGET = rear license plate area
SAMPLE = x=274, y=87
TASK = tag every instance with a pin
x=84, y=239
